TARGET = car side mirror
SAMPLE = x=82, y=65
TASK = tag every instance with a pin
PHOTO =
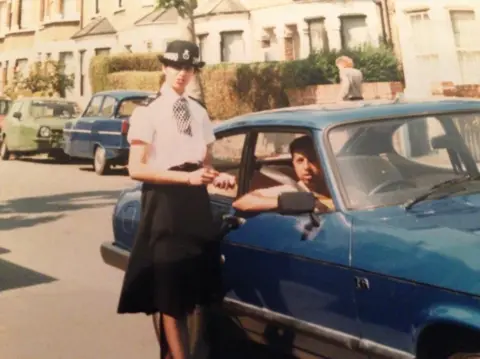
x=296, y=202
x=441, y=142
x=17, y=115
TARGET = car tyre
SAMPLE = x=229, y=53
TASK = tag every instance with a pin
x=4, y=152
x=100, y=162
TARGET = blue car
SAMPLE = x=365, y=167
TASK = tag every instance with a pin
x=392, y=272
x=100, y=133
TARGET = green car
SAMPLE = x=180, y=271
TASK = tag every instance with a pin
x=34, y=125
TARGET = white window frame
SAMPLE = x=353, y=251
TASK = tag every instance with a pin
x=424, y=46
x=354, y=17
x=320, y=34
x=468, y=52
x=225, y=34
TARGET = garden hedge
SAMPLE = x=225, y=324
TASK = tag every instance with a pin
x=243, y=88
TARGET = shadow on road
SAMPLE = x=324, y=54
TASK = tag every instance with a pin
x=30, y=211
x=51, y=161
x=13, y=276
x=119, y=171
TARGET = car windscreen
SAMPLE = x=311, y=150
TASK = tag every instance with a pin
x=126, y=107
x=60, y=109
x=387, y=162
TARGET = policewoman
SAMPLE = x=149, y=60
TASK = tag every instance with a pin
x=170, y=267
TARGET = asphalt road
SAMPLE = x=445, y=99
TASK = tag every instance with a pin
x=57, y=298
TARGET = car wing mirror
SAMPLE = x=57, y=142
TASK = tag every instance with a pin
x=441, y=142
x=296, y=203
x=300, y=203
x=17, y=115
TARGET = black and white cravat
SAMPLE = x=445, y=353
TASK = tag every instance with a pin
x=181, y=112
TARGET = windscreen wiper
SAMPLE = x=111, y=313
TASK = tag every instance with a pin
x=442, y=186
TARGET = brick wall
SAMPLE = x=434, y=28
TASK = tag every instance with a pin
x=449, y=89
x=328, y=93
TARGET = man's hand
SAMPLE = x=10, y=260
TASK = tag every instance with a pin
x=203, y=176
x=225, y=181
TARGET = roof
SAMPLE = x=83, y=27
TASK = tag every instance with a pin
x=219, y=7
x=122, y=94
x=321, y=116
x=97, y=26
x=159, y=16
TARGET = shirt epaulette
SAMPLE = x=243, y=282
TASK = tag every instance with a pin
x=198, y=101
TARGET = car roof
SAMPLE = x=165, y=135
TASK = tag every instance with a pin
x=323, y=115
x=35, y=98
x=122, y=94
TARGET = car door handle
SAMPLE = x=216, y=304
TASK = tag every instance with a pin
x=362, y=283
x=233, y=221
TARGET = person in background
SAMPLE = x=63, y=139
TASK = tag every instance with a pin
x=172, y=267
x=351, y=80
x=310, y=179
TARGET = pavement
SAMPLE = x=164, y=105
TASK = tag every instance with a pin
x=57, y=298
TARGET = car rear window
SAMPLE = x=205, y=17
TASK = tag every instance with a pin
x=128, y=105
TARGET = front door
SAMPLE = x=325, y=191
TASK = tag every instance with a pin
x=286, y=287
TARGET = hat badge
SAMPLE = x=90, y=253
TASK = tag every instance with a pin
x=186, y=55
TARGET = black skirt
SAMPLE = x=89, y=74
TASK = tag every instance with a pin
x=175, y=260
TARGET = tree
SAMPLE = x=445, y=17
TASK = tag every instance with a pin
x=185, y=9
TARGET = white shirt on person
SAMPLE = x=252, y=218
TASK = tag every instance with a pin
x=156, y=125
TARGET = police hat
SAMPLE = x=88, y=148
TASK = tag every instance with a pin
x=181, y=53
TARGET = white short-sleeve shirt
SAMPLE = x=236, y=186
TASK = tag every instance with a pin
x=156, y=125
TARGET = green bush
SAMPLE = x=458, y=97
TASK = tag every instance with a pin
x=102, y=66
x=234, y=89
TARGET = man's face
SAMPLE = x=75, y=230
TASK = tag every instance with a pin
x=306, y=166
x=178, y=77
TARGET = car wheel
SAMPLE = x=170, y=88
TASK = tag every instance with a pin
x=4, y=152
x=100, y=162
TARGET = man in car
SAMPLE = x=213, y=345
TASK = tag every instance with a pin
x=310, y=178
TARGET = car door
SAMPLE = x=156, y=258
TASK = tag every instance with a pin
x=287, y=288
x=81, y=133
x=106, y=130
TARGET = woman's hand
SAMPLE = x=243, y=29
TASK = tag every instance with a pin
x=225, y=181
x=203, y=176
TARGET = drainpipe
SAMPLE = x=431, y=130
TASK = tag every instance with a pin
x=81, y=13
x=386, y=36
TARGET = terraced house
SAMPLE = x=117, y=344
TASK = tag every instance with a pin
x=32, y=30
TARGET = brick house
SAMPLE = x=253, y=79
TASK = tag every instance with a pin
x=32, y=30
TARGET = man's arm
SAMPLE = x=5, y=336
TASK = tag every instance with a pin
x=344, y=87
x=261, y=200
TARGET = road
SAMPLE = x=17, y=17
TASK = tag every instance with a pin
x=57, y=298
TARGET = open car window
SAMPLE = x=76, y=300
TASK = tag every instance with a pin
x=384, y=163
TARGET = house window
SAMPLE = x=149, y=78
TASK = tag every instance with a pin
x=67, y=60
x=202, y=42
x=232, y=46
x=3, y=17
x=102, y=51
x=317, y=35
x=69, y=7
x=425, y=50
x=354, y=31
x=26, y=14
x=465, y=30
x=21, y=67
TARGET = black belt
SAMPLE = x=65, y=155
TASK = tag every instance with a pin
x=355, y=99
x=187, y=167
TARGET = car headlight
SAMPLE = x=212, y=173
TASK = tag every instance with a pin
x=44, y=131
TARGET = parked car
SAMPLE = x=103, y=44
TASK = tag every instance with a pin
x=4, y=107
x=392, y=272
x=100, y=132
x=34, y=125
